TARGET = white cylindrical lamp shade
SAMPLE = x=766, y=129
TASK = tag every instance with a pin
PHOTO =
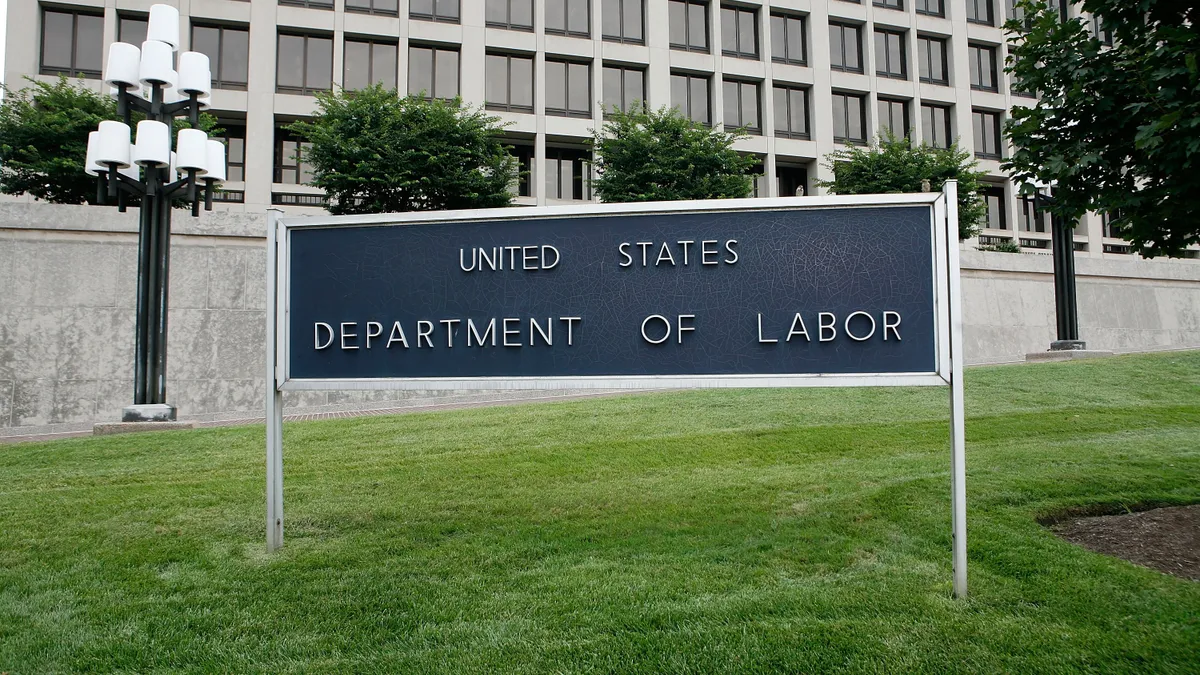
x=194, y=74
x=112, y=146
x=153, y=147
x=192, y=150
x=123, y=69
x=216, y=160
x=90, y=165
x=131, y=171
x=172, y=168
x=155, y=65
x=163, y=25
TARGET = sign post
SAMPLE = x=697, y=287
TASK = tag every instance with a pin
x=789, y=292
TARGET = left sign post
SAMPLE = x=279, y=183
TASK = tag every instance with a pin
x=274, y=395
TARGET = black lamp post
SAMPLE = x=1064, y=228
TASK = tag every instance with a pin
x=115, y=161
x=1066, y=308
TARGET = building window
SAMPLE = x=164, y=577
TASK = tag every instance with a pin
x=235, y=149
x=432, y=72
x=524, y=157
x=132, y=30
x=311, y=4
x=508, y=83
x=739, y=32
x=791, y=111
x=787, y=40
x=980, y=11
x=1111, y=225
x=791, y=181
x=741, y=106
x=845, y=46
x=935, y=125
x=689, y=93
x=304, y=64
x=72, y=43
x=568, y=89
x=228, y=51
x=932, y=61
x=931, y=7
x=623, y=87
x=689, y=25
x=622, y=21
x=1103, y=35
x=849, y=120
x=384, y=7
x=890, y=4
x=291, y=167
x=434, y=10
x=568, y=174
x=569, y=17
x=510, y=14
x=890, y=57
x=993, y=199
x=1031, y=219
x=983, y=67
x=987, y=133
x=369, y=62
x=893, y=117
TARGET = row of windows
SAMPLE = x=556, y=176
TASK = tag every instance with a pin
x=977, y=11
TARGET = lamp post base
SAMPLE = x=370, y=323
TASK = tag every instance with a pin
x=1067, y=345
x=149, y=412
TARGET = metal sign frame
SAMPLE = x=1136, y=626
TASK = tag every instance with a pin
x=946, y=304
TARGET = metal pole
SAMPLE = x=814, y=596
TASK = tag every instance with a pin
x=274, y=397
x=958, y=438
x=164, y=270
x=141, y=356
x=1066, y=309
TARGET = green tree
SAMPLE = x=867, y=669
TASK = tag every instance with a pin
x=375, y=152
x=659, y=155
x=1116, y=128
x=891, y=165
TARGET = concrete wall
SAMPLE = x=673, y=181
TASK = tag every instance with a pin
x=67, y=285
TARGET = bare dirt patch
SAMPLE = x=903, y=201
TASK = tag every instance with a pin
x=1166, y=539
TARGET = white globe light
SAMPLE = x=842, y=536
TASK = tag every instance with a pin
x=153, y=146
x=155, y=67
x=163, y=25
x=123, y=68
x=90, y=165
x=216, y=161
x=113, y=144
x=192, y=152
x=195, y=77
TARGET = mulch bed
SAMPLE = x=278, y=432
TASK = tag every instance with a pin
x=1166, y=539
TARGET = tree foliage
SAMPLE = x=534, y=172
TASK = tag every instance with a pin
x=376, y=152
x=43, y=139
x=1117, y=128
x=891, y=165
x=659, y=155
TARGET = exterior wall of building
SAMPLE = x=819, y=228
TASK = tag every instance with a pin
x=67, y=286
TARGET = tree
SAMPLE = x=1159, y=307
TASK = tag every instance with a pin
x=659, y=155
x=375, y=152
x=891, y=165
x=43, y=139
x=1117, y=129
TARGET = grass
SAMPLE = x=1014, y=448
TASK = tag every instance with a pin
x=687, y=532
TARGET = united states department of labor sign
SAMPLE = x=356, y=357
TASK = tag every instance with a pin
x=739, y=292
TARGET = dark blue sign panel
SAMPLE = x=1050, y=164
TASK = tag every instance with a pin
x=756, y=292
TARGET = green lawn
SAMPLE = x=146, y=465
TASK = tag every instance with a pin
x=687, y=532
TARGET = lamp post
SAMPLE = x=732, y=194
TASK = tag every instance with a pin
x=145, y=81
x=1066, y=308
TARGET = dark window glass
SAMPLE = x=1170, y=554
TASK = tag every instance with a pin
x=787, y=39
x=433, y=72
x=72, y=43
x=935, y=125
x=931, y=7
x=368, y=62
x=980, y=11
x=791, y=111
x=508, y=82
x=1098, y=30
x=993, y=199
x=304, y=64
x=622, y=21
x=791, y=181
x=739, y=32
x=893, y=117
x=1031, y=219
x=849, y=118
x=1111, y=224
x=568, y=89
x=987, y=133
x=689, y=93
x=890, y=4
x=434, y=10
x=290, y=164
x=568, y=174
x=569, y=17
x=689, y=25
x=228, y=51
x=741, y=106
x=132, y=29
x=983, y=67
x=235, y=149
x=524, y=155
x=891, y=59
x=312, y=4
x=623, y=87
x=385, y=7
x=932, y=61
x=511, y=14
x=845, y=45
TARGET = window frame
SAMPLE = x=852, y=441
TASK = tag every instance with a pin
x=509, y=25
x=738, y=19
x=787, y=58
x=979, y=115
x=226, y=137
x=904, y=111
x=566, y=30
x=692, y=77
x=282, y=136
x=947, y=127
x=568, y=111
x=976, y=54
x=370, y=42
x=973, y=7
x=996, y=191
x=786, y=89
x=582, y=181
x=623, y=70
x=372, y=9
x=792, y=171
x=122, y=17
x=922, y=7
x=897, y=5
x=436, y=16
x=943, y=45
x=218, y=80
x=690, y=6
x=862, y=126
x=74, y=13
x=757, y=128
x=435, y=48
x=891, y=33
x=508, y=105
x=620, y=4
x=309, y=4
x=842, y=27
x=304, y=90
x=525, y=154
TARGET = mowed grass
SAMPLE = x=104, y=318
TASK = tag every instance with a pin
x=686, y=532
